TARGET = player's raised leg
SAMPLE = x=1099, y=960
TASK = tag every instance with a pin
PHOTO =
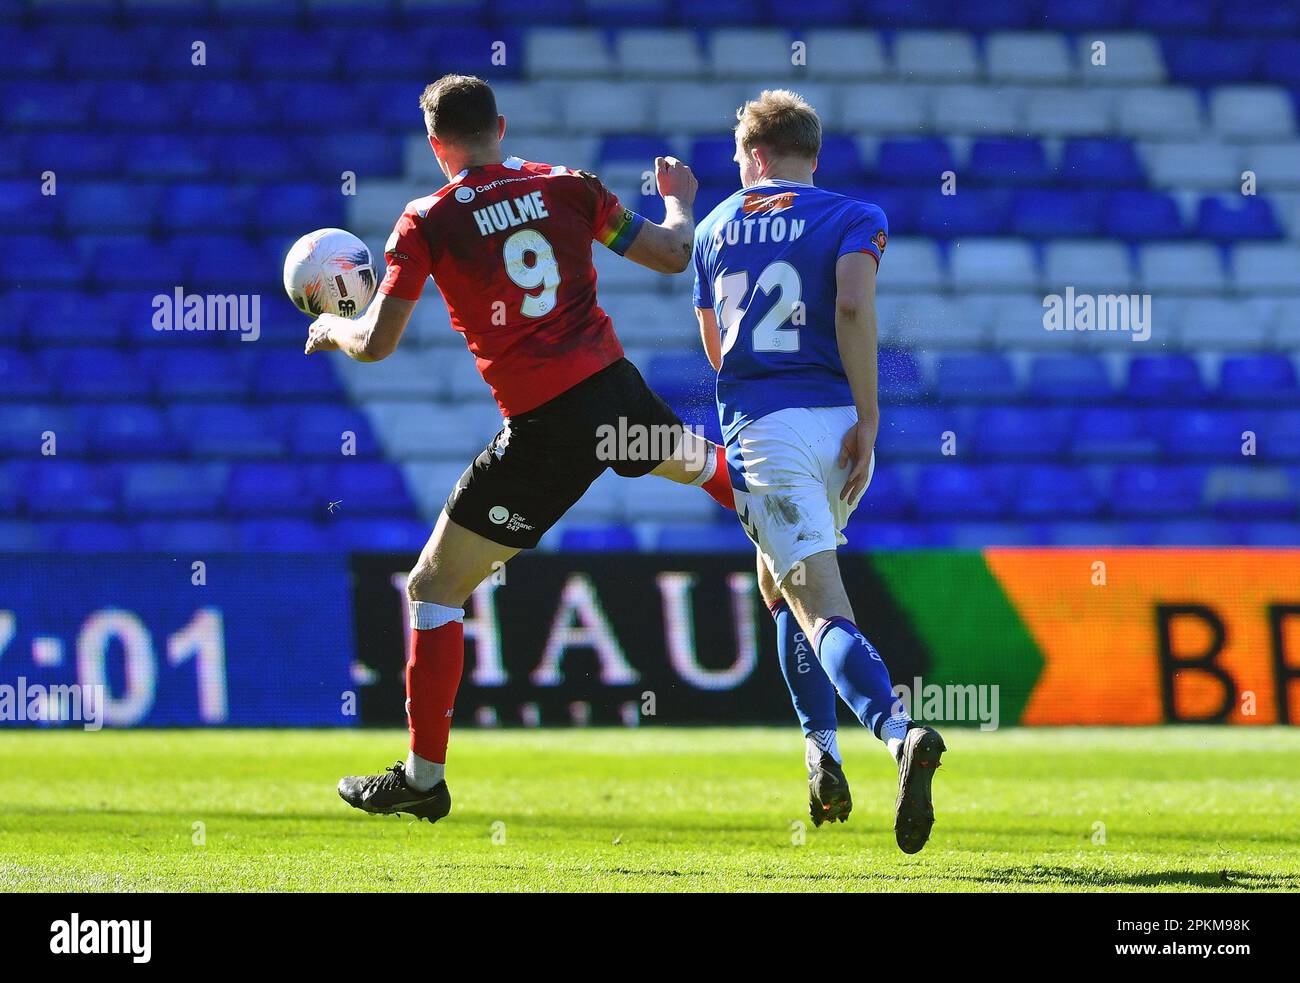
x=453, y=563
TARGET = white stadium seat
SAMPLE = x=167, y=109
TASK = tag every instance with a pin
x=603, y=501
x=377, y=204
x=551, y=52
x=1131, y=59
x=595, y=108
x=659, y=53
x=884, y=108
x=691, y=107
x=1159, y=114
x=1069, y=112
x=1180, y=267
x=1025, y=56
x=652, y=499
x=1198, y=164
x=751, y=53
x=409, y=373
x=977, y=110
x=992, y=264
x=569, y=151
x=1247, y=112
x=1265, y=267
x=932, y=322
x=1093, y=266
x=1276, y=165
x=431, y=482
x=528, y=107
x=913, y=264
x=1215, y=324
x=1017, y=323
x=935, y=56
x=845, y=55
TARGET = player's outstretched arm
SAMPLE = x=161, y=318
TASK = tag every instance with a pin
x=855, y=333
x=371, y=337
x=666, y=247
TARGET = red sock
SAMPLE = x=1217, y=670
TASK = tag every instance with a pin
x=719, y=484
x=432, y=678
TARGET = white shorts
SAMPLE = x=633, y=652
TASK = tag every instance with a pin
x=791, y=505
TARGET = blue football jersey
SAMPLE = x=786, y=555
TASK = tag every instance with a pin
x=765, y=262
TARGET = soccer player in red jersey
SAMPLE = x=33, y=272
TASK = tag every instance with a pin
x=508, y=243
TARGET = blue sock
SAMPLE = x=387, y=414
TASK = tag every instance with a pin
x=811, y=690
x=858, y=672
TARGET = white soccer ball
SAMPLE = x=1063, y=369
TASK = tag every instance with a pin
x=329, y=271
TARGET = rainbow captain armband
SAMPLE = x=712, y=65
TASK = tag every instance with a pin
x=621, y=229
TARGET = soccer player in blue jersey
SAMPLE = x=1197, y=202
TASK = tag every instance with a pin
x=785, y=279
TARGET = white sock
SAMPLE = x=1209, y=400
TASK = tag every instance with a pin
x=822, y=740
x=893, y=731
x=421, y=773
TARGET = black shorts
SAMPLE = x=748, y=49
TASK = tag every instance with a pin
x=544, y=460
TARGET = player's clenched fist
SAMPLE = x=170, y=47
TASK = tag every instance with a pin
x=675, y=180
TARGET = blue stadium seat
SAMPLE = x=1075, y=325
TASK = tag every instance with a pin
x=1155, y=490
x=267, y=488
x=168, y=156
x=1113, y=434
x=1164, y=378
x=1212, y=60
x=137, y=106
x=234, y=106
x=132, y=430
x=45, y=105
x=364, y=488
x=1281, y=63
x=92, y=373
x=173, y=488
x=917, y=432
x=1004, y=161
x=641, y=148
x=725, y=537
x=914, y=161
x=1174, y=16
x=279, y=208
x=975, y=377
x=21, y=376
x=1201, y=434
x=186, y=535
x=281, y=52
x=598, y=539
x=199, y=373
x=259, y=155
x=382, y=534
x=1044, y=214
x=1017, y=433
x=1269, y=378
x=38, y=260
x=208, y=207
x=285, y=536
x=227, y=431
x=970, y=213
x=713, y=160
x=960, y=490
x=1142, y=215
x=57, y=487
x=1069, y=378
x=92, y=536
x=1106, y=163
x=1229, y=217
x=24, y=209
x=1055, y=491
x=290, y=375
x=317, y=430
x=125, y=262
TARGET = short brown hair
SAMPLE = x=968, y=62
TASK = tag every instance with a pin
x=781, y=121
x=460, y=108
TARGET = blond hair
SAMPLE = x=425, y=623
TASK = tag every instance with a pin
x=780, y=121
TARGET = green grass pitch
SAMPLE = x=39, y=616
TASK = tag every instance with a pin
x=652, y=809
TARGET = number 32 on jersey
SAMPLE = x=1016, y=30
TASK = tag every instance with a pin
x=772, y=333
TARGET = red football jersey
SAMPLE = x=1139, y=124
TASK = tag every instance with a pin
x=509, y=247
